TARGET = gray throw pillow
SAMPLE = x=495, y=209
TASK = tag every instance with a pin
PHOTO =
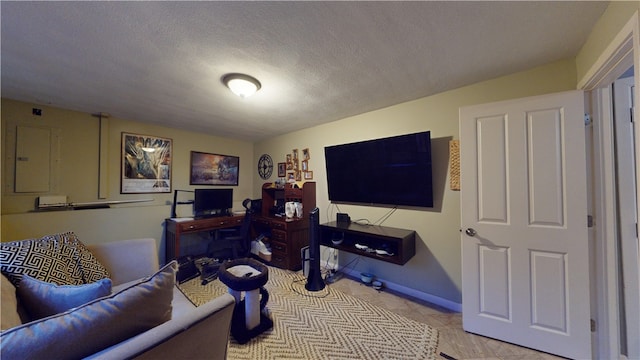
x=94, y=326
x=42, y=299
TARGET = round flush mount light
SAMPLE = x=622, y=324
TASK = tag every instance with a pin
x=241, y=84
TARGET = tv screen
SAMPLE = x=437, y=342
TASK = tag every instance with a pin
x=388, y=171
x=212, y=202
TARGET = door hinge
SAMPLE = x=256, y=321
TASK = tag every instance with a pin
x=589, y=221
x=587, y=119
x=593, y=325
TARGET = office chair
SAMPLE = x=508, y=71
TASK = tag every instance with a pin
x=240, y=242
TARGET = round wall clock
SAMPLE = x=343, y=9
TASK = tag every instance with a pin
x=265, y=166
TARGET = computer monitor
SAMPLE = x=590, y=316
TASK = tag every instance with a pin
x=212, y=202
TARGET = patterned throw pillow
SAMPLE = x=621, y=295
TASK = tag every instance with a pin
x=61, y=259
x=92, y=270
x=51, y=261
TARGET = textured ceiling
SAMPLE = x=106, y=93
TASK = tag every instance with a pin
x=161, y=62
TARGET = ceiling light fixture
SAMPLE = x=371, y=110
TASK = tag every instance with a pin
x=241, y=84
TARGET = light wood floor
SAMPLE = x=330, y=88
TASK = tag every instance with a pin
x=453, y=341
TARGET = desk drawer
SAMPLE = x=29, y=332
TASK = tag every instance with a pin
x=209, y=224
x=262, y=221
x=279, y=260
x=192, y=226
x=278, y=235
x=227, y=222
x=279, y=247
x=278, y=225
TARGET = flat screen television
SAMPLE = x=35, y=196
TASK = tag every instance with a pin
x=212, y=202
x=392, y=171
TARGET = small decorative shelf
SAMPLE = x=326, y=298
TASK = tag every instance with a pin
x=400, y=243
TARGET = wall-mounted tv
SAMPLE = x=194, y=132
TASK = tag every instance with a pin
x=392, y=171
x=212, y=202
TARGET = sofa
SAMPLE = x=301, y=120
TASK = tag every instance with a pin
x=137, y=312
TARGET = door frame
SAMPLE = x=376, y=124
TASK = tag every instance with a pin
x=622, y=53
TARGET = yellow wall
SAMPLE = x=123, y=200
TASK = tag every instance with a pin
x=608, y=26
x=78, y=177
x=436, y=268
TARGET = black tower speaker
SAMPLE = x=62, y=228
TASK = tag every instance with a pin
x=314, y=278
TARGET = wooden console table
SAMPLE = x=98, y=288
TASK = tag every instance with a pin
x=175, y=228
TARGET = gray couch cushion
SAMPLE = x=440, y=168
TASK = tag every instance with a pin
x=9, y=301
x=96, y=325
x=42, y=299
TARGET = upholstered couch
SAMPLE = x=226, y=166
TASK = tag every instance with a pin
x=142, y=315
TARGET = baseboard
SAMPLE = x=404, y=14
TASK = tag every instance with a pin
x=436, y=300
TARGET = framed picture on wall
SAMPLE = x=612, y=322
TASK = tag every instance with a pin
x=308, y=175
x=282, y=169
x=146, y=164
x=213, y=169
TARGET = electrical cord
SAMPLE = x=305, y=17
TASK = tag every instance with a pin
x=386, y=216
x=339, y=273
x=326, y=264
x=329, y=215
x=293, y=288
x=365, y=222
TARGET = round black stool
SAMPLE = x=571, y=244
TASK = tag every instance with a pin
x=248, y=276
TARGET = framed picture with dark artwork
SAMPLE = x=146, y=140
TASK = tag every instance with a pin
x=213, y=169
x=146, y=164
x=282, y=169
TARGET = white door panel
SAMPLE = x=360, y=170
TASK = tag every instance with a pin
x=523, y=192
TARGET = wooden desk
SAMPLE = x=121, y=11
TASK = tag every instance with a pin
x=285, y=237
x=175, y=228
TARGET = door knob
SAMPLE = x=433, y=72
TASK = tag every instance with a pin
x=470, y=232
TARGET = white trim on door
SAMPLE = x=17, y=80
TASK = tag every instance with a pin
x=622, y=53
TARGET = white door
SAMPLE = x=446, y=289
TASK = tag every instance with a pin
x=525, y=256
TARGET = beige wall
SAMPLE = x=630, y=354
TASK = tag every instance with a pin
x=608, y=26
x=78, y=176
x=436, y=268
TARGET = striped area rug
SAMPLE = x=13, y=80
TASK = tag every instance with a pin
x=326, y=324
